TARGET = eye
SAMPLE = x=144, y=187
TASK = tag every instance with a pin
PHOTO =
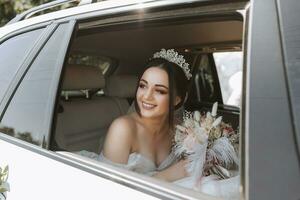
x=142, y=85
x=161, y=91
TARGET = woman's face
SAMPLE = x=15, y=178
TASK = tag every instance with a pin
x=153, y=93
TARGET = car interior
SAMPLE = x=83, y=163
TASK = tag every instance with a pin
x=104, y=62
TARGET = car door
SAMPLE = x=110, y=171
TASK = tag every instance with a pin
x=36, y=173
x=271, y=167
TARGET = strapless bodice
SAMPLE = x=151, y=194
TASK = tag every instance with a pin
x=136, y=162
x=142, y=164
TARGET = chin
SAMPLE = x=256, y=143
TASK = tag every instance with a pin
x=147, y=113
x=151, y=114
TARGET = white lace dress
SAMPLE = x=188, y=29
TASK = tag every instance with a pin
x=227, y=188
x=136, y=162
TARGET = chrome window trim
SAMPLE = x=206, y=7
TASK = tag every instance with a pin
x=32, y=11
x=197, y=11
x=244, y=156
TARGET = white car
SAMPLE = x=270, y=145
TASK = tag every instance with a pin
x=65, y=75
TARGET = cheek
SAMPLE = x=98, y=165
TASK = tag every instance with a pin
x=163, y=100
x=138, y=94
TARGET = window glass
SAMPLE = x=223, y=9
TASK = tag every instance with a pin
x=229, y=68
x=27, y=116
x=291, y=38
x=12, y=53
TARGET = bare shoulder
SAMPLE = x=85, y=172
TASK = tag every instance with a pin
x=124, y=125
x=119, y=139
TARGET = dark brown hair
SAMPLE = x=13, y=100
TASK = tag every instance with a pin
x=178, y=84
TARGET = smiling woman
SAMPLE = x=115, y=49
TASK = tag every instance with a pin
x=173, y=76
x=143, y=139
x=153, y=93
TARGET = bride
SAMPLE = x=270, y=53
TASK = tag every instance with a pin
x=142, y=141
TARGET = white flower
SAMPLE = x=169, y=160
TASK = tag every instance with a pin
x=209, y=119
x=214, y=109
x=217, y=122
x=208, y=115
x=197, y=116
x=4, y=186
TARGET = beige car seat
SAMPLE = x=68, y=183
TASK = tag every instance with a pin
x=83, y=122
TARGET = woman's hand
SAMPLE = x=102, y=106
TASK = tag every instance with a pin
x=174, y=172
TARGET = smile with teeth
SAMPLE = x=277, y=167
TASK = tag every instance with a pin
x=148, y=106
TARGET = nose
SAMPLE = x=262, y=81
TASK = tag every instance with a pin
x=148, y=94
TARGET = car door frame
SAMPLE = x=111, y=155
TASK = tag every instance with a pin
x=133, y=18
x=267, y=113
x=50, y=29
x=130, y=181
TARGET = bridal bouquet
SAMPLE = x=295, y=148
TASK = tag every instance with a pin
x=208, y=143
x=4, y=186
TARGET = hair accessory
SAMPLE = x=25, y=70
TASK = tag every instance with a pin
x=172, y=56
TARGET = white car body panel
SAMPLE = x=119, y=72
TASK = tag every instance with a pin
x=32, y=180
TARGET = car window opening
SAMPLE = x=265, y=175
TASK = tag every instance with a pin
x=101, y=76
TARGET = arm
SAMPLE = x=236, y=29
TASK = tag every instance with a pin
x=174, y=172
x=118, y=141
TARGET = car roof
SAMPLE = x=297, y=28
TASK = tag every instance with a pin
x=88, y=8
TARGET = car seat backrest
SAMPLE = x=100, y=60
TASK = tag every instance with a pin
x=122, y=89
x=83, y=123
x=81, y=77
x=121, y=86
x=80, y=124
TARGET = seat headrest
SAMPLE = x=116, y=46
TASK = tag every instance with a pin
x=122, y=86
x=81, y=77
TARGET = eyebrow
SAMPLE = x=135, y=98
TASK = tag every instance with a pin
x=159, y=85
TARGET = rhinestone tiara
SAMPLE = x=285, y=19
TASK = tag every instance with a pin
x=172, y=56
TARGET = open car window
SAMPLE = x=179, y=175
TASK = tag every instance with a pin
x=95, y=98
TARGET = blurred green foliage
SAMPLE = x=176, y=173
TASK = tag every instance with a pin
x=10, y=8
